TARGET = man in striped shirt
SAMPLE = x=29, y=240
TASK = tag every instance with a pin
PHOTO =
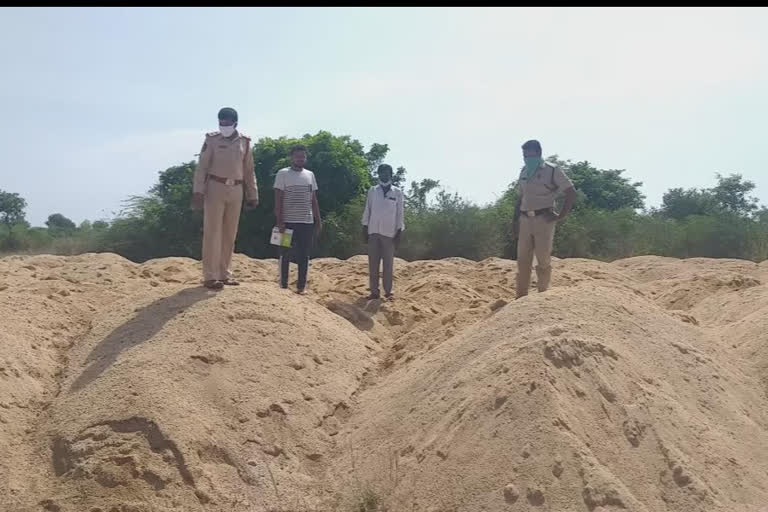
x=296, y=208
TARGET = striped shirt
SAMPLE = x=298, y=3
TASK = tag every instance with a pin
x=297, y=187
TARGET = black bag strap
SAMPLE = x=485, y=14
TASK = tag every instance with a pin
x=552, y=185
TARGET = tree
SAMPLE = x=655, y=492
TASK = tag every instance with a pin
x=161, y=223
x=728, y=196
x=600, y=188
x=342, y=170
x=678, y=203
x=416, y=198
x=731, y=194
x=59, y=225
x=504, y=214
x=12, y=208
x=375, y=157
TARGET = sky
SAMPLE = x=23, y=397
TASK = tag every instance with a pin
x=97, y=101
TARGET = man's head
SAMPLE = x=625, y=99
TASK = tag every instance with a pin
x=227, y=121
x=298, y=156
x=385, y=174
x=532, y=156
x=532, y=148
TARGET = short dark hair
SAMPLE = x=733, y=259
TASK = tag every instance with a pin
x=298, y=147
x=532, y=145
x=384, y=167
x=228, y=113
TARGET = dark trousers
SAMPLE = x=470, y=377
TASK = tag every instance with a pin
x=381, y=249
x=301, y=246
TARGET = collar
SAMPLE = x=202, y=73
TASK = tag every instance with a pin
x=233, y=139
x=541, y=166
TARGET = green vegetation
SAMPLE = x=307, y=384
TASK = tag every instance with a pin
x=609, y=220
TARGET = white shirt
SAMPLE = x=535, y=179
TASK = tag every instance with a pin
x=384, y=214
x=297, y=187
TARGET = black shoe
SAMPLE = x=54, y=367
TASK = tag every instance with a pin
x=373, y=296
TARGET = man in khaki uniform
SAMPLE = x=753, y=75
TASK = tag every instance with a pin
x=540, y=184
x=225, y=168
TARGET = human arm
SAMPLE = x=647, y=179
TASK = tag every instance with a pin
x=279, y=209
x=516, y=214
x=249, y=178
x=570, y=199
x=279, y=187
x=198, y=182
x=366, y=216
x=399, y=218
x=316, y=213
x=564, y=183
x=316, y=207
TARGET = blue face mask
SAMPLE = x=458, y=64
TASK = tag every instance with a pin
x=532, y=164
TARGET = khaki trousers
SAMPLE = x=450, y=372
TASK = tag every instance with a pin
x=220, y=220
x=536, y=236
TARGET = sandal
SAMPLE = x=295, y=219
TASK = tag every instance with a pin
x=214, y=284
x=231, y=282
x=373, y=296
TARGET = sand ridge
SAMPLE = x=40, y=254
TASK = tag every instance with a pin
x=634, y=385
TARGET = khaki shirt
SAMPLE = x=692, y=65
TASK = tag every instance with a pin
x=543, y=188
x=226, y=158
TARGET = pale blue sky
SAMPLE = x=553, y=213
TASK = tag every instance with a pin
x=97, y=101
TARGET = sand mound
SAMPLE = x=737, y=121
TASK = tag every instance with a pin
x=637, y=385
x=576, y=400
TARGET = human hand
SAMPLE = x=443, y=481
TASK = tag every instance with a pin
x=198, y=200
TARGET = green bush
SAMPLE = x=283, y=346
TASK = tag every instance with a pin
x=606, y=222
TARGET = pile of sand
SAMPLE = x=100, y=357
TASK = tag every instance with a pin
x=638, y=385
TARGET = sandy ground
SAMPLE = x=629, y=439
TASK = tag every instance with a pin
x=638, y=385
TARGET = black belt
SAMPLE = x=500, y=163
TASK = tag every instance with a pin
x=533, y=213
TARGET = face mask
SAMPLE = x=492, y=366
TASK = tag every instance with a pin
x=227, y=131
x=385, y=183
x=532, y=163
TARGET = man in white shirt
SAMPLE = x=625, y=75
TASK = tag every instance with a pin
x=296, y=208
x=383, y=224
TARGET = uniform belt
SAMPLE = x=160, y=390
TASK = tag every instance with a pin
x=533, y=213
x=226, y=181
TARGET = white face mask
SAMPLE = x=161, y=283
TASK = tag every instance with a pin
x=227, y=131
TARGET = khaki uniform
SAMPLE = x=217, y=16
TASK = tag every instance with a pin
x=537, y=231
x=230, y=159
